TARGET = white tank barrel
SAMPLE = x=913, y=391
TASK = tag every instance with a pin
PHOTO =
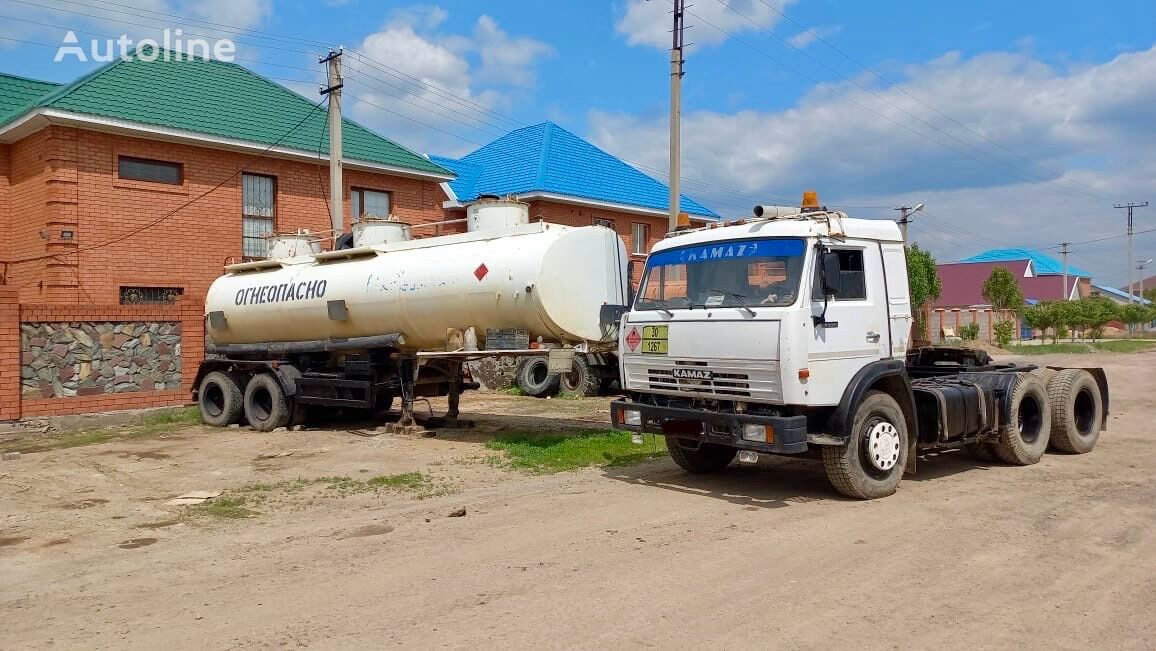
x=547, y=279
x=496, y=215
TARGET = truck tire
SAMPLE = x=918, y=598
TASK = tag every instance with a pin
x=1025, y=442
x=708, y=458
x=1077, y=411
x=582, y=379
x=220, y=400
x=871, y=464
x=265, y=406
x=534, y=378
x=1045, y=374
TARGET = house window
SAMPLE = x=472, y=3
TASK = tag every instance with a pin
x=150, y=295
x=153, y=171
x=605, y=223
x=640, y=236
x=854, y=282
x=369, y=203
x=259, y=206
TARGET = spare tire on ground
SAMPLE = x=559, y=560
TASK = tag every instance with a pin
x=534, y=378
x=1077, y=411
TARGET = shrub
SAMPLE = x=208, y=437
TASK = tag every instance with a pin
x=1004, y=331
x=969, y=332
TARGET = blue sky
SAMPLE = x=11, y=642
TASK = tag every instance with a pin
x=1016, y=123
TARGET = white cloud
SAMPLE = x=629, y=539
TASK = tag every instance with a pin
x=809, y=36
x=486, y=69
x=1073, y=141
x=648, y=22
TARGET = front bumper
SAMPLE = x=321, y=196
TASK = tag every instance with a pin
x=790, y=432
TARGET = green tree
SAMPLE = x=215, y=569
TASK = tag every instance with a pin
x=1134, y=314
x=1002, y=291
x=1004, y=331
x=923, y=282
x=1150, y=294
x=1044, y=315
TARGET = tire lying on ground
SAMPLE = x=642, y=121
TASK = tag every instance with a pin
x=220, y=400
x=707, y=458
x=1077, y=411
x=581, y=379
x=1025, y=440
x=872, y=462
x=265, y=406
x=534, y=378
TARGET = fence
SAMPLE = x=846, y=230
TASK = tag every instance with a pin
x=73, y=359
x=940, y=318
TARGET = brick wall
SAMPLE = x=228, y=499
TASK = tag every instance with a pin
x=179, y=331
x=66, y=179
x=941, y=318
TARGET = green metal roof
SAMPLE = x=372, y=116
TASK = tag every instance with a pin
x=18, y=94
x=219, y=99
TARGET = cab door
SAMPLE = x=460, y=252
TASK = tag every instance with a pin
x=851, y=328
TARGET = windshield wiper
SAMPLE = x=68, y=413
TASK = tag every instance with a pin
x=660, y=305
x=737, y=297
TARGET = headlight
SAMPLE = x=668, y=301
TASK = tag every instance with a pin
x=631, y=417
x=758, y=433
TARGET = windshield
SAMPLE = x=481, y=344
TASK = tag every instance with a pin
x=736, y=273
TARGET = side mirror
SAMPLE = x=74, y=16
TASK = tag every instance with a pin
x=832, y=272
x=609, y=316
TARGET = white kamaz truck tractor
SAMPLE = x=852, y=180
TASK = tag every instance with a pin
x=789, y=333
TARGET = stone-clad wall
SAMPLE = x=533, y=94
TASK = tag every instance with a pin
x=62, y=360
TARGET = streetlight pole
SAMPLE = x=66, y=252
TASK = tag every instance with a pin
x=905, y=215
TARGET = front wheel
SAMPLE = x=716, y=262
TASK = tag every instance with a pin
x=871, y=464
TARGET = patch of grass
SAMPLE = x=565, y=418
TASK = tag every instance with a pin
x=226, y=507
x=151, y=425
x=569, y=395
x=512, y=391
x=408, y=480
x=1116, y=346
x=549, y=453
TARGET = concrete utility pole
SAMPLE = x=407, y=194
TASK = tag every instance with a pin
x=676, y=73
x=1131, y=284
x=336, y=192
x=1064, y=251
x=905, y=214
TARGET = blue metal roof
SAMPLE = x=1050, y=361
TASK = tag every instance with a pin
x=1044, y=266
x=1122, y=295
x=547, y=158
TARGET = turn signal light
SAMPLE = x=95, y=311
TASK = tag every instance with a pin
x=804, y=373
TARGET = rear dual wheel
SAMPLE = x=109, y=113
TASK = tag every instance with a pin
x=1077, y=411
x=266, y=407
x=1026, y=439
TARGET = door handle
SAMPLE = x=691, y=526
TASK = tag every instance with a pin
x=873, y=337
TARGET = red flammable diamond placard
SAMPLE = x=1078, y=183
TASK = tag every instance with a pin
x=633, y=339
x=481, y=272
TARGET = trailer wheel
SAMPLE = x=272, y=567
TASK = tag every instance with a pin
x=265, y=406
x=534, y=378
x=1077, y=411
x=220, y=400
x=872, y=463
x=581, y=379
x=706, y=458
x=1025, y=442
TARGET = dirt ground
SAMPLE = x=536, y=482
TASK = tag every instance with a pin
x=1057, y=555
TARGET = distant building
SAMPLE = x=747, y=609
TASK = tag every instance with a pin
x=962, y=283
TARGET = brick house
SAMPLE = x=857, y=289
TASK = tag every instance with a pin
x=136, y=183
x=567, y=180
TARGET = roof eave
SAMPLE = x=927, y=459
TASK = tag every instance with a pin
x=609, y=205
x=38, y=119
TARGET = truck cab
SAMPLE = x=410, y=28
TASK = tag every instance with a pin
x=789, y=333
